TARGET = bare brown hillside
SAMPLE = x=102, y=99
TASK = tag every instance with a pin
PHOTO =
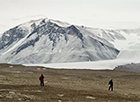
x=19, y=83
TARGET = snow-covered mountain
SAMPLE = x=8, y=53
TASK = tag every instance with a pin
x=53, y=41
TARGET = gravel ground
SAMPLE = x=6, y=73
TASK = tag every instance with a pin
x=21, y=84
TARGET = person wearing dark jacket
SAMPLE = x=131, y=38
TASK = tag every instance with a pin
x=110, y=85
x=41, y=78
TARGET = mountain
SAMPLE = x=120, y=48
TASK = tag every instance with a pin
x=53, y=41
x=133, y=67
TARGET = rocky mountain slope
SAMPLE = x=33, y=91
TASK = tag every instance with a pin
x=52, y=41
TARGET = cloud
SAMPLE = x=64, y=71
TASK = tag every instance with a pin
x=83, y=12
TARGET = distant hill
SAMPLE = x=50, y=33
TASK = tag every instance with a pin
x=133, y=67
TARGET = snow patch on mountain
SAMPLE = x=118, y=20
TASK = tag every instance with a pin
x=61, y=24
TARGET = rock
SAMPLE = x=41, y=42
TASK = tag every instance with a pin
x=11, y=66
x=19, y=99
x=44, y=68
x=59, y=101
x=38, y=69
x=9, y=97
x=45, y=82
x=12, y=93
x=60, y=95
x=38, y=91
x=1, y=96
x=65, y=78
x=125, y=94
x=27, y=101
x=26, y=97
x=30, y=72
x=90, y=97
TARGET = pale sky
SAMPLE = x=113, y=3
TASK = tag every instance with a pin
x=92, y=13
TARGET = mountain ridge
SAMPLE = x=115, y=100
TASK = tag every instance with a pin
x=53, y=41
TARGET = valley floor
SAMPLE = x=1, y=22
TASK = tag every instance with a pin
x=19, y=83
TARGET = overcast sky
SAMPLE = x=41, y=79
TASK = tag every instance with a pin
x=92, y=13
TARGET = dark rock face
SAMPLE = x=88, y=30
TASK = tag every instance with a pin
x=12, y=35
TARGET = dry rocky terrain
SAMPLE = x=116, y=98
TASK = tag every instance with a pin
x=21, y=84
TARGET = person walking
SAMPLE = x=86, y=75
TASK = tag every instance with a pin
x=41, y=78
x=110, y=85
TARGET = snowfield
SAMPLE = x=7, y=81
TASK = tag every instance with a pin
x=96, y=65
